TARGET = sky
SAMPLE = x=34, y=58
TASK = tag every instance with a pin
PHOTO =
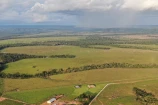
x=84, y=13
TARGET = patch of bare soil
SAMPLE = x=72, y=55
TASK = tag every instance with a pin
x=2, y=99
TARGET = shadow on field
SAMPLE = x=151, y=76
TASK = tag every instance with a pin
x=3, y=67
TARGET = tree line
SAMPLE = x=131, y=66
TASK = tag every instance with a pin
x=93, y=67
x=46, y=74
x=9, y=57
x=134, y=47
x=63, y=56
x=144, y=97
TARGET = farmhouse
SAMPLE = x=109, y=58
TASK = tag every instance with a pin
x=51, y=100
x=78, y=86
x=91, y=86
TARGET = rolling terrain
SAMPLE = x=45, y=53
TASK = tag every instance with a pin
x=99, y=60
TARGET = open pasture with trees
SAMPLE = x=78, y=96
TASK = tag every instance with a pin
x=85, y=77
x=33, y=70
x=40, y=39
x=123, y=93
x=30, y=89
x=84, y=56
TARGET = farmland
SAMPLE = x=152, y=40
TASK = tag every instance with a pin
x=30, y=88
x=43, y=39
x=9, y=102
x=84, y=56
x=89, y=53
x=30, y=96
x=123, y=94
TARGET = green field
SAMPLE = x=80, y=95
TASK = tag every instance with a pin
x=43, y=39
x=85, y=77
x=38, y=90
x=123, y=94
x=9, y=102
x=84, y=56
x=40, y=95
x=30, y=89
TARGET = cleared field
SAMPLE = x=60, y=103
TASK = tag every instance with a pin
x=9, y=102
x=122, y=94
x=85, y=77
x=43, y=39
x=41, y=95
x=84, y=56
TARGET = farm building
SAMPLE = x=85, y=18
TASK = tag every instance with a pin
x=78, y=86
x=91, y=86
x=51, y=100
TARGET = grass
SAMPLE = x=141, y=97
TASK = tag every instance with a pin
x=42, y=39
x=37, y=90
x=40, y=95
x=123, y=94
x=84, y=56
x=9, y=102
x=85, y=77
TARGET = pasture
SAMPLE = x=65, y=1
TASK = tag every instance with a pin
x=85, y=77
x=38, y=90
x=40, y=95
x=33, y=91
x=119, y=94
x=84, y=56
x=9, y=102
x=42, y=39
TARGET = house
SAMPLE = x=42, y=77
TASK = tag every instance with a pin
x=78, y=86
x=51, y=100
x=91, y=86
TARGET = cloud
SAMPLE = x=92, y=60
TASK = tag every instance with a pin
x=94, y=5
x=140, y=5
x=71, y=5
x=103, y=12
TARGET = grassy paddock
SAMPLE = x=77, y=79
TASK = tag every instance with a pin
x=84, y=56
x=43, y=39
x=9, y=102
x=41, y=95
x=33, y=90
x=123, y=94
x=85, y=77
